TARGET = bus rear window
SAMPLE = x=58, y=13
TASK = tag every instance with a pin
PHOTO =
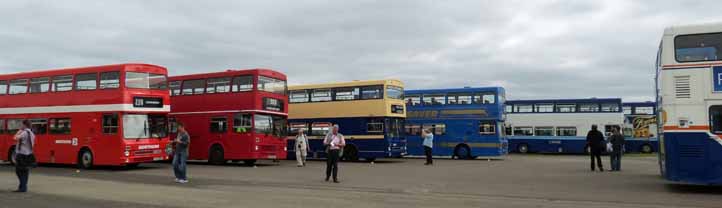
x=271, y=85
x=698, y=47
x=143, y=80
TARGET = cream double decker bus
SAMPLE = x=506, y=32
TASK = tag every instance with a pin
x=370, y=115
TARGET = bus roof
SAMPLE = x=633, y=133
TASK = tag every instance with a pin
x=232, y=72
x=583, y=100
x=84, y=68
x=693, y=28
x=394, y=82
x=454, y=90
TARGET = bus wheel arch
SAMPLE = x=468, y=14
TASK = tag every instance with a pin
x=462, y=151
x=216, y=154
x=350, y=153
x=522, y=148
x=85, y=158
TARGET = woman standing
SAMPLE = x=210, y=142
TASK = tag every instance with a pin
x=302, y=148
x=24, y=158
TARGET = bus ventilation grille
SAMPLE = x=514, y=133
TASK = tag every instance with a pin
x=682, y=87
x=693, y=151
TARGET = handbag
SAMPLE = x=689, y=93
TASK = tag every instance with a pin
x=26, y=160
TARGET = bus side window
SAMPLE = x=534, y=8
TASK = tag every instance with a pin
x=110, y=124
x=715, y=119
x=172, y=125
x=375, y=126
x=39, y=126
x=219, y=125
x=2, y=126
x=487, y=128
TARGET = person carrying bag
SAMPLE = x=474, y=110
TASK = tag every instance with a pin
x=24, y=157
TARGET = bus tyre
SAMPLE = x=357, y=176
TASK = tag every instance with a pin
x=462, y=152
x=132, y=165
x=646, y=148
x=249, y=162
x=85, y=159
x=350, y=153
x=216, y=155
x=522, y=148
x=11, y=154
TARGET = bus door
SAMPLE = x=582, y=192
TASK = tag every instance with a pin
x=63, y=144
x=106, y=135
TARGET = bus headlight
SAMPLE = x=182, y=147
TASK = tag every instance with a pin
x=285, y=149
x=127, y=151
x=257, y=148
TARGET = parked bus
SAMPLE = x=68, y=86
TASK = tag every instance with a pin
x=370, y=115
x=689, y=98
x=559, y=126
x=465, y=121
x=237, y=115
x=640, y=127
x=112, y=115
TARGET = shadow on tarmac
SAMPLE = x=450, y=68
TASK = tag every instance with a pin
x=694, y=189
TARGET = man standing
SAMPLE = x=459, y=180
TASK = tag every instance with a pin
x=615, y=157
x=428, y=145
x=302, y=148
x=24, y=158
x=594, y=142
x=335, y=143
x=181, y=154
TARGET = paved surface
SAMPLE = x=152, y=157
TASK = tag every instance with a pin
x=517, y=181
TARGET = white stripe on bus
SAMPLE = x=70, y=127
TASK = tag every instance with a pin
x=81, y=108
x=231, y=111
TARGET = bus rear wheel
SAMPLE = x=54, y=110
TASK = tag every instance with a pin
x=522, y=148
x=85, y=159
x=646, y=148
x=216, y=156
x=350, y=153
x=462, y=152
x=249, y=162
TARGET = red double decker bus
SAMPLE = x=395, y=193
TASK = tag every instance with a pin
x=237, y=115
x=104, y=115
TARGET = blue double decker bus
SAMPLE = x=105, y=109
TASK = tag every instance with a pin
x=466, y=122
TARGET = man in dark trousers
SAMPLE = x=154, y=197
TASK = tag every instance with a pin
x=594, y=142
x=615, y=157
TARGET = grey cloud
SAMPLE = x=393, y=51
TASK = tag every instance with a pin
x=536, y=49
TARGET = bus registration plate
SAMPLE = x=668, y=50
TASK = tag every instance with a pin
x=157, y=158
x=272, y=157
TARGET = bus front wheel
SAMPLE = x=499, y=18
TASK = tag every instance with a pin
x=462, y=152
x=216, y=156
x=522, y=148
x=85, y=159
x=646, y=148
x=11, y=155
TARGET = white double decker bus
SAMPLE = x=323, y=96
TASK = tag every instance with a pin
x=689, y=94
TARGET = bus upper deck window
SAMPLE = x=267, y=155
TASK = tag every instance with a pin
x=698, y=47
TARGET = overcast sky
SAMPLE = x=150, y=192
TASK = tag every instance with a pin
x=535, y=49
